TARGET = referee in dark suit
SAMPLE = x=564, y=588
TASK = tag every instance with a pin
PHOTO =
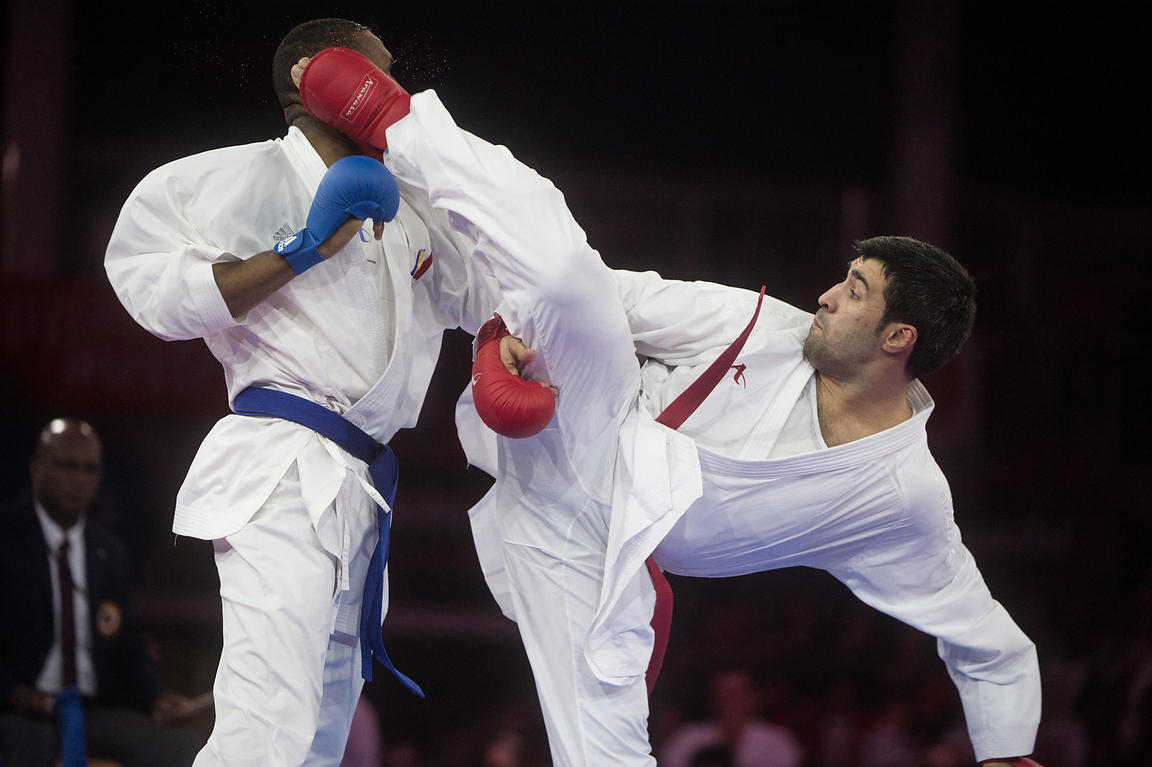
x=52, y=555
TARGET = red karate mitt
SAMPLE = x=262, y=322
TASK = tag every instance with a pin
x=510, y=405
x=344, y=89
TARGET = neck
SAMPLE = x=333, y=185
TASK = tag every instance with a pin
x=63, y=520
x=852, y=410
x=329, y=143
x=731, y=729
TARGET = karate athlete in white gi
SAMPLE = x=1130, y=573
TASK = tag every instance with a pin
x=292, y=516
x=811, y=451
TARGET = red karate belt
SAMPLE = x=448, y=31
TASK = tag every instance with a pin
x=673, y=417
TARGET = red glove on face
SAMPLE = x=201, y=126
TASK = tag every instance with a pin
x=344, y=89
x=510, y=405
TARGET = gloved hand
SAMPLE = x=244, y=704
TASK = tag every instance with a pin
x=353, y=187
x=510, y=405
x=344, y=89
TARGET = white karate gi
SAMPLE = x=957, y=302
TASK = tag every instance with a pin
x=576, y=509
x=291, y=515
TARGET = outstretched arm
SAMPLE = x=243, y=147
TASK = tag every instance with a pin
x=990, y=660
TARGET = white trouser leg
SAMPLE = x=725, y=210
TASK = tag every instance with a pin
x=342, y=686
x=276, y=585
x=342, y=680
x=556, y=593
x=562, y=300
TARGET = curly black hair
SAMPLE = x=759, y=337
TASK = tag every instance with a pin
x=928, y=289
x=307, y=39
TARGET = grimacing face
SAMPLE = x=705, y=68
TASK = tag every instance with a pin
x=845, y=333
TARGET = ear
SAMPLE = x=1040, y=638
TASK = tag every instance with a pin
x=899, y=338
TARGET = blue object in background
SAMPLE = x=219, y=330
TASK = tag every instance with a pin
x=70, y=715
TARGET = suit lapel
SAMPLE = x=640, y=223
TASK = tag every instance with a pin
x=31, y=552
x=96, y=561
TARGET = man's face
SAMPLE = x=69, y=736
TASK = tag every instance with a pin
x=846, y=333
x=66, y=473
x=371, y=46
x=734, y=695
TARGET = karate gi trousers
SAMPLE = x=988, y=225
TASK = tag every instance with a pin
x=289, y=674
x=554, y=490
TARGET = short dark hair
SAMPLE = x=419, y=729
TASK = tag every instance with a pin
x=928, y=289
x=308, y=39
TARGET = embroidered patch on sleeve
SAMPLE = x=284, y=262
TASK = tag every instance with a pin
x=422, y=265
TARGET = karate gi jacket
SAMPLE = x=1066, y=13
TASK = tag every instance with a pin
x=704, y=501
x=359, y=333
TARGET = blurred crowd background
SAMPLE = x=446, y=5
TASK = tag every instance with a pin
x=744, y=143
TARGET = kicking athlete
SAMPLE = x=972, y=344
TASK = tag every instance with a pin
x=815, y=455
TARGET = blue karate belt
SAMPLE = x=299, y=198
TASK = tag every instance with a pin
x=383, y=469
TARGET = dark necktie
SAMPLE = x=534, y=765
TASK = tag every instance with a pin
x=67, y=617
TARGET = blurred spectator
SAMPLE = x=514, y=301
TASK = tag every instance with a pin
x=516, y=737
x=712, y=756
x=946, y=754
x=402, y=753
x=736, y=725
x=53, y=556
x=1063, y=736
x=364, y=747
x=887, y=741
x=841, y=727
x=505, y=750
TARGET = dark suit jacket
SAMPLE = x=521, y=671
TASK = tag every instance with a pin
x=125, y=673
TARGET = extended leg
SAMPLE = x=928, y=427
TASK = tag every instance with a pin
x=558, y=295
x=555, y=488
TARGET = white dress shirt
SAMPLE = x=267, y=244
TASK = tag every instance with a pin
x=51, y=675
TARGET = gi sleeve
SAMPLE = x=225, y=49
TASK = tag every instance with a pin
x=466, y=294
x=931, y=582
x=161, y=267
x=690, y=323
